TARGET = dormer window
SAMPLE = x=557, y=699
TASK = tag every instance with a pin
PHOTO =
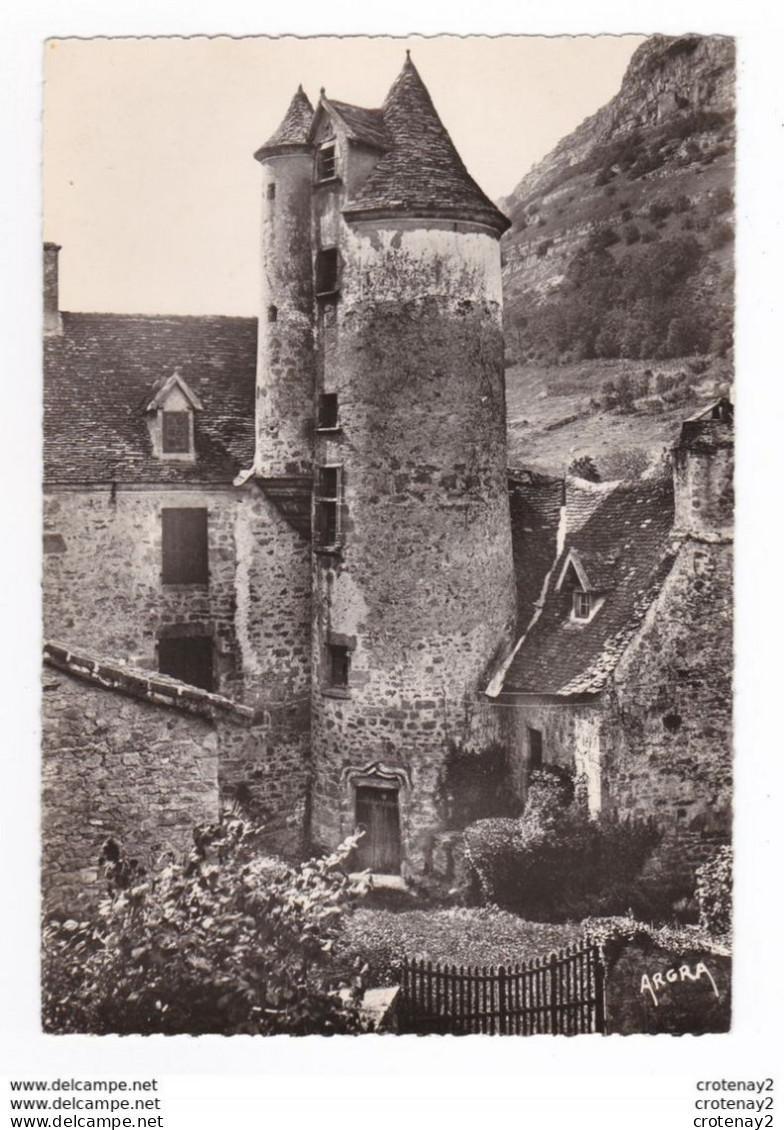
x=171, y=416
x=583, y=594
x=582, y=605
x=326, y=162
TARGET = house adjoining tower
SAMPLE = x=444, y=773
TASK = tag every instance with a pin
x=413, y=586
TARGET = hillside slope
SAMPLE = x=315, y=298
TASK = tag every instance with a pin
x=621, y=253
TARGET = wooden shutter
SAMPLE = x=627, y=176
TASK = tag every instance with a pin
x=188, y=658
x=176, y=438
x=184, y=539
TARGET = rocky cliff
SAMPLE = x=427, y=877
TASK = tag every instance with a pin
x=629, y=215
x=618, y=267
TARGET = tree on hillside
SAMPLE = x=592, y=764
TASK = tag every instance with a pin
x=584, y=468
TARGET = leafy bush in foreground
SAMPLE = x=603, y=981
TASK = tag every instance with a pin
x=714, y=893
x=557, y=863
x=227, y=942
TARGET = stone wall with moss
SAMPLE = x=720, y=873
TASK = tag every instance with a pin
x=117, y=766
x=421, y=591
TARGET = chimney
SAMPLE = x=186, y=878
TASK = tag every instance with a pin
x=703, y=470
x=52, y=320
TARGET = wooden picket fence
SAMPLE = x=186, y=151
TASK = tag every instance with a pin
x=562, y=994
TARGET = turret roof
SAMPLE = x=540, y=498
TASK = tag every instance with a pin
x=421, y=173
x=293, y=130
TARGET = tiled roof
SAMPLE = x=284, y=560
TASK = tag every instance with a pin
x=421, y=174
x=366, y=126
x=626, y=544
x=293, y=130
x=535, y=503
x=103, y=370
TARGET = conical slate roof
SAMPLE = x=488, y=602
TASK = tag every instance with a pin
x=293, y=130
x=421, y=174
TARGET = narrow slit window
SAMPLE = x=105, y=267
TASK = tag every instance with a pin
x=328, y=504
x=581, y=604
x=328, y=410
x=326, y=163
x=270, y=192
x=339, y=665
x=534, y=749
x=176, y=433
x=327, y=271
x=272, y=313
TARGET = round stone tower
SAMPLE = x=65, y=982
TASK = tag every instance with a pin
x=414, y=595
x=285, y=370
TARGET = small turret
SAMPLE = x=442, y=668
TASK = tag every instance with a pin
x=704, y=464
x=285, y=370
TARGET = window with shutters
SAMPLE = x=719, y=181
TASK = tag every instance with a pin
x=329, y=498
x=328, y=412
x=326, y=162
x=176, y=433
x=327, y=271
x=188, y=658
x=534, y=749
x=338, y=666
x=184, y=546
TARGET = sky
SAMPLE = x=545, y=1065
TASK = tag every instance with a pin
x=150, y=186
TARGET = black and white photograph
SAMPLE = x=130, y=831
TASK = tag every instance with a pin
x=388, y=510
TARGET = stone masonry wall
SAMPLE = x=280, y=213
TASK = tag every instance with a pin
x=103, y=592
x=269, y=766
x=115, y=766
x=572, y=735
x=669, y=709
x=102, y=583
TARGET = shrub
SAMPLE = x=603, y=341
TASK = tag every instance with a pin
x=659, y=210
x=714, y=893
x=584, y=468
x=482, y=935
x=543, y=248
x=601, y=238
x=625, y=393
x=631, y=233
x=225, y=942
x=555, y=862
x=628, y=464
x=722, y=235
x=476, y=785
